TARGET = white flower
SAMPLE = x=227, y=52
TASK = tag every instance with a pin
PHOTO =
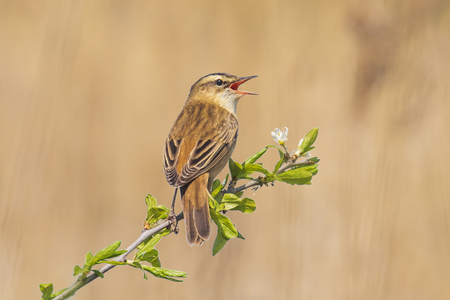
x=280, y=136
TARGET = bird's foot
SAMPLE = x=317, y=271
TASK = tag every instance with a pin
x=173, y=222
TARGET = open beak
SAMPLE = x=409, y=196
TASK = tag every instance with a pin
x=235, y=85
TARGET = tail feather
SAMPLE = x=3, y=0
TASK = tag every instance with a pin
x=194, y=200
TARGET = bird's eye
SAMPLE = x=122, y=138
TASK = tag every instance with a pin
x=219, y=82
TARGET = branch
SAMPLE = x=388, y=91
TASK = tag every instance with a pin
x=81, y=282
x=252, y=183
x=294, y=163
x=226, y=229
x=249, y=184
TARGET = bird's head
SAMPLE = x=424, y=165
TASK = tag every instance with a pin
x=220, y=88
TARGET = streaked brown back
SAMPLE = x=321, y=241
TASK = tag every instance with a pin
x=196, y=143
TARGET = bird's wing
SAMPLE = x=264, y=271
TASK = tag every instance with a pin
x=171, y=151
x=189, y=153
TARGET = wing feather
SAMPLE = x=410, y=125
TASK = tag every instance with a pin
x=194, y=145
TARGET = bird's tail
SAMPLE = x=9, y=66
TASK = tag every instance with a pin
x=194, y=200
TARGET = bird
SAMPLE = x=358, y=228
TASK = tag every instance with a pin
x=200, y=144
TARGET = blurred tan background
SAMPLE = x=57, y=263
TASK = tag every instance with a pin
x=89, y=91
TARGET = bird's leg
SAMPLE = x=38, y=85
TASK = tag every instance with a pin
x=172, y=216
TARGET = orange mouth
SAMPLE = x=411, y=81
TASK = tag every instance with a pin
x=234, y=86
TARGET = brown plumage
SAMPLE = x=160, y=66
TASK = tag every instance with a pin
x=200, y=144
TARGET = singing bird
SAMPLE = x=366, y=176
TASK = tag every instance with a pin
x=200, y=144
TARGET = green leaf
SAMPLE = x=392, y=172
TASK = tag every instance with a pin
x=239, y=194
x=251, y=168
x=315, y=160
x=224, y=183
x=165, y=273
x=279, y=164
x=247, y=206
x=215, y=184
x=230, y=201
x=214, y=205
x=156, y=262
x=134, y=263
x=88, y=260
x=255, y=156
x=224, y=224
x=155, y=214
x=137, y=265
x=233, y=202
x=77, y=270
x=98, y=273
x=47, y=290
x=113, y=262
x=150, y=201
x=106, y=252
x=219, y=242
x=235, y=168
x=118, y=253
x=216, y=190
x=309, y=139
x=173, y=273
x=151, y=257
x=218, y=197
x=149, y=243
x=60, y=292
x=243, y=171
x=301, y=175
x=229, y=205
